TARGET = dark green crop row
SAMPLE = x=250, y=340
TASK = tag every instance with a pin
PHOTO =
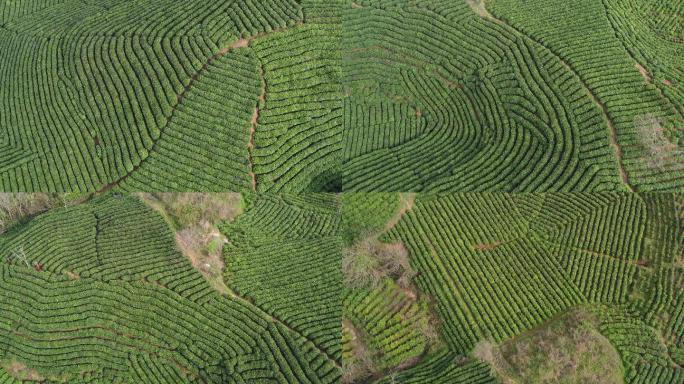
x=312, y=96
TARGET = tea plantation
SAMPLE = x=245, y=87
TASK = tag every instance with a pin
x=515, y=288
x=513, y=95
x=282, y=96
x=163, y=95
x=98, y=293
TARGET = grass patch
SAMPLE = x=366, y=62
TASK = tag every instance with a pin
x=369, y=262
x=566, y=350
x=21, y=372
x=195, y=218
x=17, y=208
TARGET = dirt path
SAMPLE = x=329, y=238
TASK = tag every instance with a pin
x=407, y=202
x=478, y=6
x=624, y=176
x=644, y=72
x=240, y=43
x=255, y=123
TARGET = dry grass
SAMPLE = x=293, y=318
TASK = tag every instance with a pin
x=195, y=217
x=370, y=261
x=16, y=207
x=566, y=350
x=20, y=371
x=360, y=365
x=652, y=136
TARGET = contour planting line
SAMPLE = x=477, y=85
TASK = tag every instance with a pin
x=478, y=6
x=240, y=43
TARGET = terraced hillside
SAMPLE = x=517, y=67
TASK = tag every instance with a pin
x=513, y=95
x=522, y=287
x=282, y=96
x=163, y=95
x=98, y=292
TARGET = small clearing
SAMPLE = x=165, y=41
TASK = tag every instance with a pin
x=194, y=218
x=644, y=72
x=567, y=349
x=652, y=137
x=478, y=6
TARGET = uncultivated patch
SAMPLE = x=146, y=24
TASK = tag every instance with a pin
x=652, y=137
x=194, y=217
x=566, y=350
x=20, y=371
x=367, y=263
x=487, y=246
x=18, y=207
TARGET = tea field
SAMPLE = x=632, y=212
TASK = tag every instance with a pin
x=296, y=96
x=513, y=95
x=98, y=292
x=163, y=95
x=538, y=288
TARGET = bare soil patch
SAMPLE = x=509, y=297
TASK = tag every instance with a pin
x=20, y=371
x=644, y=72
x=567, y=349
x=487, y=246
x=651, y=134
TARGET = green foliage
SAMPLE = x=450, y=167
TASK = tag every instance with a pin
x=534, y=96
x=497, y=266
x=392, y=322
x=162, y=95
x=365, y=214
x=441, y=99
x=284, y=256
x=286, y=96
x=601, y=42
x=107, y=297
x=444, y=367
